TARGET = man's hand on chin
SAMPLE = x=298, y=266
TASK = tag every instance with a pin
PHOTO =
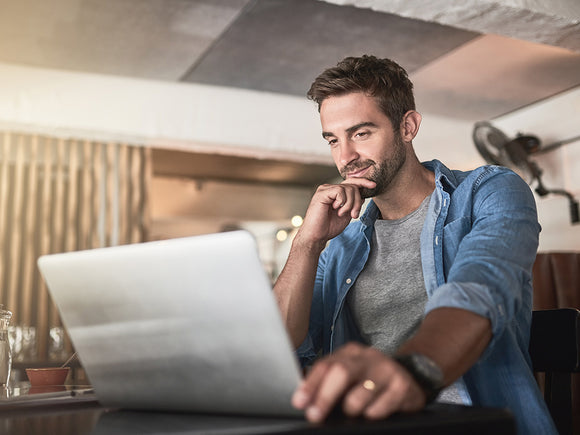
x=331, y=209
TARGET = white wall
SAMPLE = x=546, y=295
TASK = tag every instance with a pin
x=553, y=120
x=448, y=140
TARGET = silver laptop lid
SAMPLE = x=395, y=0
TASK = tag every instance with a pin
x=186, y=324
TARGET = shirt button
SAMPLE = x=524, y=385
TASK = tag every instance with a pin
x=348, y=280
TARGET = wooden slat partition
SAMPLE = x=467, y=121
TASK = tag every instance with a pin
x=45, y=236
x=59, y=195
x=29, y=261
x=4, y=177
x=14, y=238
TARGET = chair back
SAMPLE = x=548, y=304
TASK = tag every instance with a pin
x=554, y=339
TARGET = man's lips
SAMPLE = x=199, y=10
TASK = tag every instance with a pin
x=357, y=173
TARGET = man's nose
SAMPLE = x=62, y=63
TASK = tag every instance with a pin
x=348, y=153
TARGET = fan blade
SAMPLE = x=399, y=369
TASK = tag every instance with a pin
x=490, y=142
x=519, y=162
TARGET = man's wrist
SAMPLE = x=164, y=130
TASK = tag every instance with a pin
x=425, y=372
x=306, y=246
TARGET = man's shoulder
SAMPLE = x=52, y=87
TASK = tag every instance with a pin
x=493, y=177
x=472, y=177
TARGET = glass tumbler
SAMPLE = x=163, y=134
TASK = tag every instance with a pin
x=5, y=354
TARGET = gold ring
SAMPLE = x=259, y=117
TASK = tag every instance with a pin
x=369, y=385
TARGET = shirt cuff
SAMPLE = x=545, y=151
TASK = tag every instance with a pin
x=473, y=297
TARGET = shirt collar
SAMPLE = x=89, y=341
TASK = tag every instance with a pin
x=444, y=179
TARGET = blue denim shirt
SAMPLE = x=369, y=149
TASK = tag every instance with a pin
x=478, y=245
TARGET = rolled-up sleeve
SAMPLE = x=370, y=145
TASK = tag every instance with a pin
x=308, y=351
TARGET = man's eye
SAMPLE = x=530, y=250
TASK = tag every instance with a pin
x=362, y=134
x=332, y=142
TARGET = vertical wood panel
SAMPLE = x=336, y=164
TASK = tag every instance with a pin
x=109, y=199
x=58, y=220
x=29, y=246
x=45, y=211
x=96, y=207
x=4, y=177
x=145, y=187
x=59, y=198
x=123, y=196
x=71, y=212
x=85, y=196
x=14, y=299
x=135, y=182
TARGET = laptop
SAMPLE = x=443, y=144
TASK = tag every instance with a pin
x=188, y=324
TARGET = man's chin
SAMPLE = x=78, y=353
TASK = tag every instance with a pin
x=365, y=192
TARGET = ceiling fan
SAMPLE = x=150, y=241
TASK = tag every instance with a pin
x=498, y=149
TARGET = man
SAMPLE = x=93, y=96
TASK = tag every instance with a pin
x=430, y=289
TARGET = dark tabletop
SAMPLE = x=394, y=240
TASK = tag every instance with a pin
x=86, y=416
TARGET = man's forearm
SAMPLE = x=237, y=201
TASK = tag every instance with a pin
x=294, y=287
x=454, y=338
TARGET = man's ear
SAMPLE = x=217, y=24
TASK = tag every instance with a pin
x=410, y=125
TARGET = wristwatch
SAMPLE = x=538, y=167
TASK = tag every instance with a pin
x=424, y=371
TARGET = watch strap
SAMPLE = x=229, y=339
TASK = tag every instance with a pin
x=425, y=372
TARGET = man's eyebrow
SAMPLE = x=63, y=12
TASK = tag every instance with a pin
x=354, y=128
x=350, y=130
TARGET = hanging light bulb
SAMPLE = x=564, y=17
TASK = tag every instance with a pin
x=281, y=235
x=297, y=221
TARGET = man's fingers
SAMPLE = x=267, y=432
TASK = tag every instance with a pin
x=345, y=197
x=330, y=391
x=356, y=205
x=305, y=393
x=394, y=397
x=349, y=200
x=339, y=201
x=355, y=212
x=365, y=381
x=360, y=397
x=360, y=182
x=383, y=405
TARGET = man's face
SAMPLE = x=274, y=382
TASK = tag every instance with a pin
x=362, y=141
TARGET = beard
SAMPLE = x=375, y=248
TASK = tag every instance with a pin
x=383, y=172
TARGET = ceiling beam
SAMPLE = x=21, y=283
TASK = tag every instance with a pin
x=188, y=117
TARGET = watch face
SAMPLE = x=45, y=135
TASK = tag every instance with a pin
x=427, y=368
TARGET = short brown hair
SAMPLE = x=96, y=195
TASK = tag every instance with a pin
x=383, y=79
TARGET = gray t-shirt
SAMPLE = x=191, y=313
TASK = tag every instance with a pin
x=388, y=298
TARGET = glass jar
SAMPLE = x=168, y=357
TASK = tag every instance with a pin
x=5, y=353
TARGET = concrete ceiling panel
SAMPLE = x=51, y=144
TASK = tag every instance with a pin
x=281, y=45
x=551, y=22
x=136, y=38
